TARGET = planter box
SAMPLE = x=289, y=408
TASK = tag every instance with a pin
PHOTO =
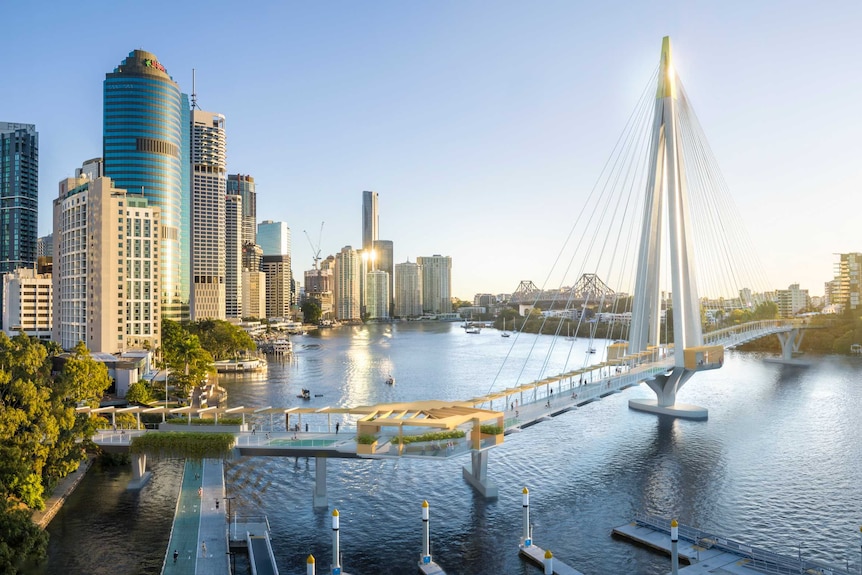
x=491, y=439
x=366, y=448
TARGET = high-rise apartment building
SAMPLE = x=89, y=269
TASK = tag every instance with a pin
x=791, y=300
x=370, y=220
x=45, y=246
x=436, y=283
x=408, y=290
x=384, y=260
x=279, y=285
x=209, y=184
x=146, y=150
x=243, y=185
x=253, y=294
x=348, y=274
x=106, y=267
x=846, y=287
x=233, y=256
x=377, y=295
x=28, y=303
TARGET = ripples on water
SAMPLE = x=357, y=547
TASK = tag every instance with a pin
x=778, y=463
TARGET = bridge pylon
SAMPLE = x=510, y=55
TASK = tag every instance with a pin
x=666, y=194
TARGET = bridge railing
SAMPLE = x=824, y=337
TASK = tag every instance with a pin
x=748, y=330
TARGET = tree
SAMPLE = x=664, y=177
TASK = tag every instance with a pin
x=222, y=339
x=139, y=392
x=189, y=363
x=311, y=310
x=21, y=540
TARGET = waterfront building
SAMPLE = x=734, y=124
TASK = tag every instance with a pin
x=377, y=295
x=370, y=220
x=791, y=300
x=106, y=264
x=253, y=294
x=384, y=261
x=273, y=238
x=209, y=184
x=408, y=290
x=318, y=285
x=28, y=303
x=436, y=283
x=146, y=150
x=846, y=287
x=279, y=285
x=348, y=274
x=243, y=186
x=233, y=256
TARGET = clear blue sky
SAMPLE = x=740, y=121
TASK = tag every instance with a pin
x=481, y=124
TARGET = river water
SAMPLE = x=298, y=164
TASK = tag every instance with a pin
x=777, y=465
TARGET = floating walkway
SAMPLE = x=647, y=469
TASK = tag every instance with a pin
x=710, y=553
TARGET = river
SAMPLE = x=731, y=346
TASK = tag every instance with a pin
x=778, y=465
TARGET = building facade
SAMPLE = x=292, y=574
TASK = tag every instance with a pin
x=279, y=285
x=209, y=185
x=253, y=294
x=243, y=186
x=791, y=300
x=233, y=256
x=436, y=283
x=106, y=267
x=377, y=295
x=408, y=290
x=146, y=150
x=347, y=274
x=384, y=258
x=273, y=238
x=846, y=287
x=370, y=220
x=28, y=303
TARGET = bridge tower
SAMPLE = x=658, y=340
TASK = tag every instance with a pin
x=666, y=194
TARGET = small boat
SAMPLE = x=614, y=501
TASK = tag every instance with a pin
x=390, y=380
x=504, y=333
x=306, y=394
x=473, y=329
x=591, y=350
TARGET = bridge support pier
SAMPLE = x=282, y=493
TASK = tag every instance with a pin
x=665, y=387
x=790, y=343
x=140, y=475
x=319, y=496
x=477, y=475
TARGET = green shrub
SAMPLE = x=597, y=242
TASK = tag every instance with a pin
x=204, y=421
x=366, y=439
x=188, y=445
x=433, y=436
x=491, y=429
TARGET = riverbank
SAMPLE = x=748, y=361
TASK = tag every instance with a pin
x=62, y=492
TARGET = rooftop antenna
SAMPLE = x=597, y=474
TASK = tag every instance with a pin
x=194, y=93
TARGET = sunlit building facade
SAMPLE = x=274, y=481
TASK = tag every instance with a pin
x=146, y=150
x=377, y=295
x=28, y=303
x=408, y=290
x=243, y=185
x=348, y=275
x=436, y=283
x=233, y=255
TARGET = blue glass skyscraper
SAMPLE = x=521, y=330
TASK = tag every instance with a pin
x=146, y=150
x=19, y=194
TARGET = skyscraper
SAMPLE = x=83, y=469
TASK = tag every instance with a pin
x=408, y=290
x=436, y=283
x=209, y=183
x=19, y=194
x=348, y=270
x=370, y=221
x=384, y=261
x=146, y=150
x=273, y=238
x=243, y=185
x=377, y=295
x=233, y=255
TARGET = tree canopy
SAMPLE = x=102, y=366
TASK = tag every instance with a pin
x=221, y=339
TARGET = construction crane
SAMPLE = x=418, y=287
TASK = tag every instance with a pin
x=315, y=249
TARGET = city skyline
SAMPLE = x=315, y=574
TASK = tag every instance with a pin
x=481, y=148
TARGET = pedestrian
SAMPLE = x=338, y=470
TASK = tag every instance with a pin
x=200, y=491
x=253, y=429
x=176, y=554
x=337, y=425
x=216, y=503
x=306, y=428
x=203, y=548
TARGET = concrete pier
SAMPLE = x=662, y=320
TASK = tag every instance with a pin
x=536, y=554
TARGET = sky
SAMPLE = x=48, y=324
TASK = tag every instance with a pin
x=482, y=125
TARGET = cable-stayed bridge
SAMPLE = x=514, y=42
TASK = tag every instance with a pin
x=659, y=202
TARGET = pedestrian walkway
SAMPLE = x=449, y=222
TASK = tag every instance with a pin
x=198, y=543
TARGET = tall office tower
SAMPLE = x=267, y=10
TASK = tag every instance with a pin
x=233, y=256
x=27, y=303
x=279, y=285
x=244, y=186
x=19, y=194
x=146, y=150
x=348, y=273
x=45, y=246
x=253, y=282
x=209, y=183
x=106, y=264
x=384, y=261
x=436, y=283
x=273, y=238
x=370, y=221
x=408, y=290
x=377, y=295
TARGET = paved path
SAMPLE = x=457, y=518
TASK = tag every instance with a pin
x=199, y=533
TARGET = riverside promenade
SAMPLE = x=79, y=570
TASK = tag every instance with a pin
x=199, y=532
